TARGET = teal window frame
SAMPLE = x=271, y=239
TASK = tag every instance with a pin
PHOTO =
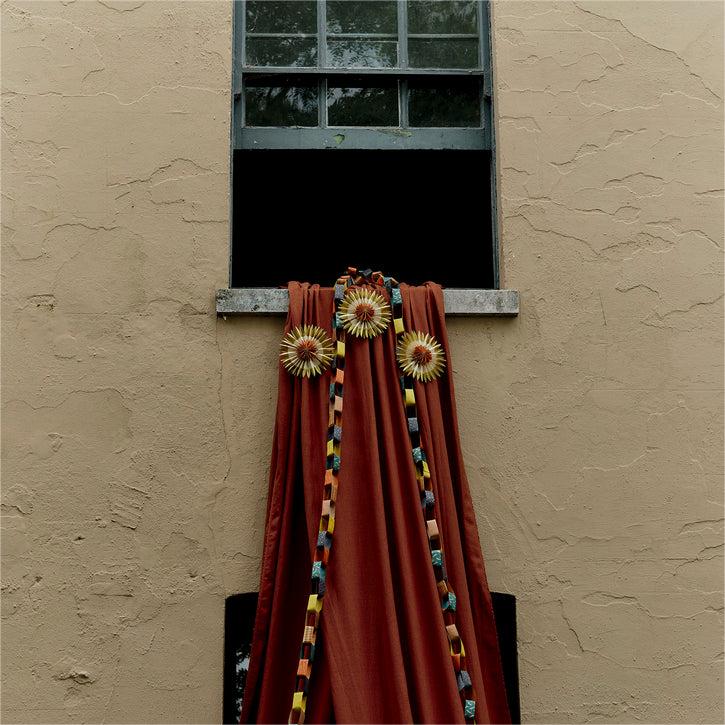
x=482, y=138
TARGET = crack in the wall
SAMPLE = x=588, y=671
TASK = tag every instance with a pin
x=588, y=11
x=122, y=6
x=108, y=94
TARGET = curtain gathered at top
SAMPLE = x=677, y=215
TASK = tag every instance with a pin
x=382, y=653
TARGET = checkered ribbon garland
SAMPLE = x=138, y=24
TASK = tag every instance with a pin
x=327, y=519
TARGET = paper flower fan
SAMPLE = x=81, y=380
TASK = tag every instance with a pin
x=306, y=350
x=364, y=313
x=421, y=356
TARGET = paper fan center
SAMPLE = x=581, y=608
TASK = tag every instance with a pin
x=306, y=350
x=364, y=312
x=421, y=355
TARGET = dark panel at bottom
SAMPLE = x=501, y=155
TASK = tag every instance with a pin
x=504, y=611
x=239, y=622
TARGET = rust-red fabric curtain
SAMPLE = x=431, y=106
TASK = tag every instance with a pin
x=383, y=654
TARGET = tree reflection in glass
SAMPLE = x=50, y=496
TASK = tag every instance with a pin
x=342, y=53
x=280, y=105
x=449, y=16
x=363, y=105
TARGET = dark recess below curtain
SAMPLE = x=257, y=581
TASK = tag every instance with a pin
x=239, y=620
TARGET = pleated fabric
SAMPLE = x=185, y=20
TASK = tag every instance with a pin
x=383, y=654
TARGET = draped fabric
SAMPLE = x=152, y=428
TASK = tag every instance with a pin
x=383, y=655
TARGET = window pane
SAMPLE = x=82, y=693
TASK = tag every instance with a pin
x=445, y=103
x=442, y=16
x=362, y=53
x=283, y=16
x=293, y=104
x=443, y=53
x=368, y=16
x=289, y=52
x=363, y=105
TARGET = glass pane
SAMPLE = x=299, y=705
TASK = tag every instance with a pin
x=368, y=16
x=362, y=53
x=280, y=105
x=285, y=16
x=445, y=103
x=363, y=105
x=288, y=52
x=442, y=16
x=443, y=53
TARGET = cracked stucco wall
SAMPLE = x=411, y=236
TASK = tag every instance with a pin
x=137, y=426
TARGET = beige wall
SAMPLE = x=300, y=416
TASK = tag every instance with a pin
x=137, y=426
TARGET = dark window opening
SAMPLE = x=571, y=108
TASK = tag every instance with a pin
x=415, y=215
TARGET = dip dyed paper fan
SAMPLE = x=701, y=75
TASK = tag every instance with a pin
x=364, y=313
x=306, y=350
x=421, y=356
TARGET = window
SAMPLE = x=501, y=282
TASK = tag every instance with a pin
x=362, y=136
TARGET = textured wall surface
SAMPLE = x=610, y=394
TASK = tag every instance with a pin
x=137, y=426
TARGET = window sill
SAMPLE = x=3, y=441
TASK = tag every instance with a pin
x=459, y=302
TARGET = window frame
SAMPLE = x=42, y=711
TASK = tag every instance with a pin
x=358, y=138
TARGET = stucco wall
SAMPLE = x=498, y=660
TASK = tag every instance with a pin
x=137, y=426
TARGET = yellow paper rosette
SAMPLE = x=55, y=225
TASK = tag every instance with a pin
x=364, y=313
x=421, y=356
x=306, y=350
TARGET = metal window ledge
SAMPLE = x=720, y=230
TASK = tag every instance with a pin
x=459, y=302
